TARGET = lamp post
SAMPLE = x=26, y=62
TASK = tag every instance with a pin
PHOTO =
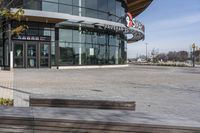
x=193, y=54
x=146, y=52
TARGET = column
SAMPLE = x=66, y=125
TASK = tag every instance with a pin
x=80, y=39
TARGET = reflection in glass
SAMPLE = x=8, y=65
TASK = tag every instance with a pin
x=31, y=50
x=18, y=50
x=44, y=50
x=44, y=55
x=66, y=54
x=18, y=55
x=104, y=9
x=48, y=6
x=31, y=55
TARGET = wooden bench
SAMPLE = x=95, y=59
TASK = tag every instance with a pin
x=79, y=102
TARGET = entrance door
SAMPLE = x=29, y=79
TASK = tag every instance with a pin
x=44, y=55
x=31, y=53
x=19, y=55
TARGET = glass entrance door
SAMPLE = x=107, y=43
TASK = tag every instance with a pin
x=31, y=55
x=19, y=55
x=44, y=55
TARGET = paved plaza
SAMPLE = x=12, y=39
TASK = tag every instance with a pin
x=6, y=84
x=163, y=90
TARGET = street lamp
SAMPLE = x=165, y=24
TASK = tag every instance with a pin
x=146, y=52
x=193, y=54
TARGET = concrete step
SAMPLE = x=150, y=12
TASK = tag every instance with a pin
x=80, y=102
x=59, y=120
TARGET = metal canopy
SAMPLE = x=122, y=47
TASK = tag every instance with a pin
x=64, y=19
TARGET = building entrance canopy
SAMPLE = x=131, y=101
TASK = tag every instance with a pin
x=135, y=30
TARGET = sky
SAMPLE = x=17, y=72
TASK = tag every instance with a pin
x=171, y=25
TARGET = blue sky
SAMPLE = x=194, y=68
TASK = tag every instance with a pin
x=171, y=25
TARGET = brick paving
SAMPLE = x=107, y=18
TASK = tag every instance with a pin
x=163, y=90
x=6, y=84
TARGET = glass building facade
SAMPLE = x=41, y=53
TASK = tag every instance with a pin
x=111, y=10
x=47, y=44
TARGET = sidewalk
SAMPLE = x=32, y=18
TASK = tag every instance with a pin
x=6, y=84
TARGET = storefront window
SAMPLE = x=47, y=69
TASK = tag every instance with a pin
x=65, y=35
x=66, y=54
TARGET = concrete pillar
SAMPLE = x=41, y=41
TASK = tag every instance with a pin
x=10, y=47
x=57, y=51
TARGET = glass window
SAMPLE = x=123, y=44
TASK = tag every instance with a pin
x=103, y=5
x=112, y=40
x=51, y=1
x=76, y=36
x=32, y=32
x=101, y=39
x=88, y=38
x=89, y=54
x=83, y=54
x=76, y=10
x=52, y=35
x=103, y=15
x=103, y=9
x=68, y=2
x=17, y=3
x=32, y=25
x=47, y=6
x=6, y=54
x=92, y=4
x=65, y=35
x=94, y=38
x=45, y=32
x=32, y=4
x=120, y=12
x=76, y=2
x=65, y=9
x=112, y=10
x=112, y=54
x=83, y=3
x=91, y=13
x=53, y=53
x=76, y=47
x=118, y=8
x=66, y=54
x=102, y=54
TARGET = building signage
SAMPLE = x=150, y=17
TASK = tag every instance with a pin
x=91, y=51
x=129, y=22
x=116, y=28
x=32, y=38
x=133, y=23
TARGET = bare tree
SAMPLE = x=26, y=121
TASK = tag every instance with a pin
x=182, y=56
x=162, y=57
x=172, y=56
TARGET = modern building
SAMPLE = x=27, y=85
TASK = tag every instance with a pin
x=72, y=33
